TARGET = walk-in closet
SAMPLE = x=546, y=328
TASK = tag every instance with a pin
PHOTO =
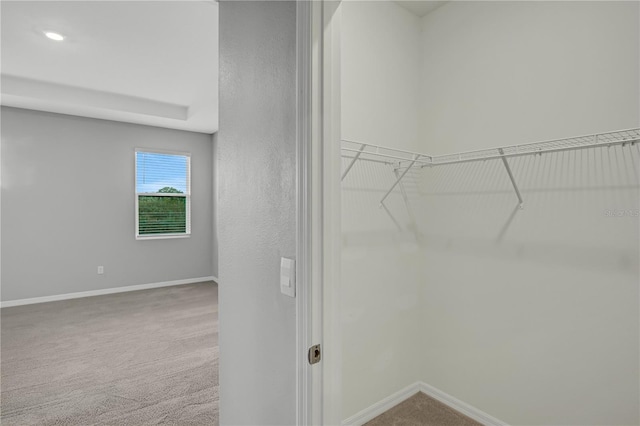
x=490, y=209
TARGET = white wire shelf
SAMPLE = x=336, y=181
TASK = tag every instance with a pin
x=619, y=137
x=350, y=149
x=403, y=161
x=366, y=151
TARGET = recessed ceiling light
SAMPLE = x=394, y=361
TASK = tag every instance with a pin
x=54, y=36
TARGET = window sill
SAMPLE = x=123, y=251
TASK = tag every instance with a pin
x=162, y=237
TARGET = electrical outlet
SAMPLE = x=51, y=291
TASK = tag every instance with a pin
x=100, y=270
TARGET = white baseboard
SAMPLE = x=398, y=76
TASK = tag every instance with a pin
x=9, y=303
x=214, y=279
x=380, y=407
x=460, y=406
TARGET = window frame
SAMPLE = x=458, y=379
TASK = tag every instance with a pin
x=186, y=196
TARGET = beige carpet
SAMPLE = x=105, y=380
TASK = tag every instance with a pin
x=139, y=358
x=422, y=410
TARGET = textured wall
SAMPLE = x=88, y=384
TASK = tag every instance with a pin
x=68, y=206
x=257, y=204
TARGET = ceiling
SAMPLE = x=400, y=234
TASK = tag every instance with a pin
x=420, y=7
x=153, y=63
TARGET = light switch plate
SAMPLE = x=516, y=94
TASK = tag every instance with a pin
x=288, y=276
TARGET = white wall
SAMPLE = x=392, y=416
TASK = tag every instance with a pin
x=256, y=149
x=380, y=56
x=380, y=70
x=530, y=315
x=503, y=73
x=68, y=206
x=541, y=327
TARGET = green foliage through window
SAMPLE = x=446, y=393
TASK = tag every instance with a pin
x=161, y=215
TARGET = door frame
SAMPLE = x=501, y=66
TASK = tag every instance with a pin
x=306, y=399
x=319, y=386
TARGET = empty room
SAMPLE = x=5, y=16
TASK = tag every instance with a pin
x=109, y=263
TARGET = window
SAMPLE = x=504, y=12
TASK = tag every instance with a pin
x=163, y=194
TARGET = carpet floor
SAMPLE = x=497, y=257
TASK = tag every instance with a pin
x=139, y=358
x=422, y=410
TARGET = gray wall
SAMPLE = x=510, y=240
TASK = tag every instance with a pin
x=214, y=209
x=256, y=170
x=68, y=206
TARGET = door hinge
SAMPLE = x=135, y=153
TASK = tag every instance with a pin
x=315, y=354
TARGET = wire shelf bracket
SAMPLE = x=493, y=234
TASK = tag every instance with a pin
x=415, y=158
x=353, y=161
x=391, y=216
x=513, y=181
x=412, y=219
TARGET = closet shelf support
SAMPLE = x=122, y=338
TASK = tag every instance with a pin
x=513, y=181
x=412, y=219
x=353, y=161
x=413, y=161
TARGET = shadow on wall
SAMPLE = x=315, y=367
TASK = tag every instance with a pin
x=580, y=208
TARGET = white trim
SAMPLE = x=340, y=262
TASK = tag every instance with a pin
x=331, y=232
x=80, y=294
x=383, y=405
x=163, y=151
x=391, y=401
x=161, y=236
x=307, y=401
x=186, y=195
x=461, y=406
x=214, y=278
